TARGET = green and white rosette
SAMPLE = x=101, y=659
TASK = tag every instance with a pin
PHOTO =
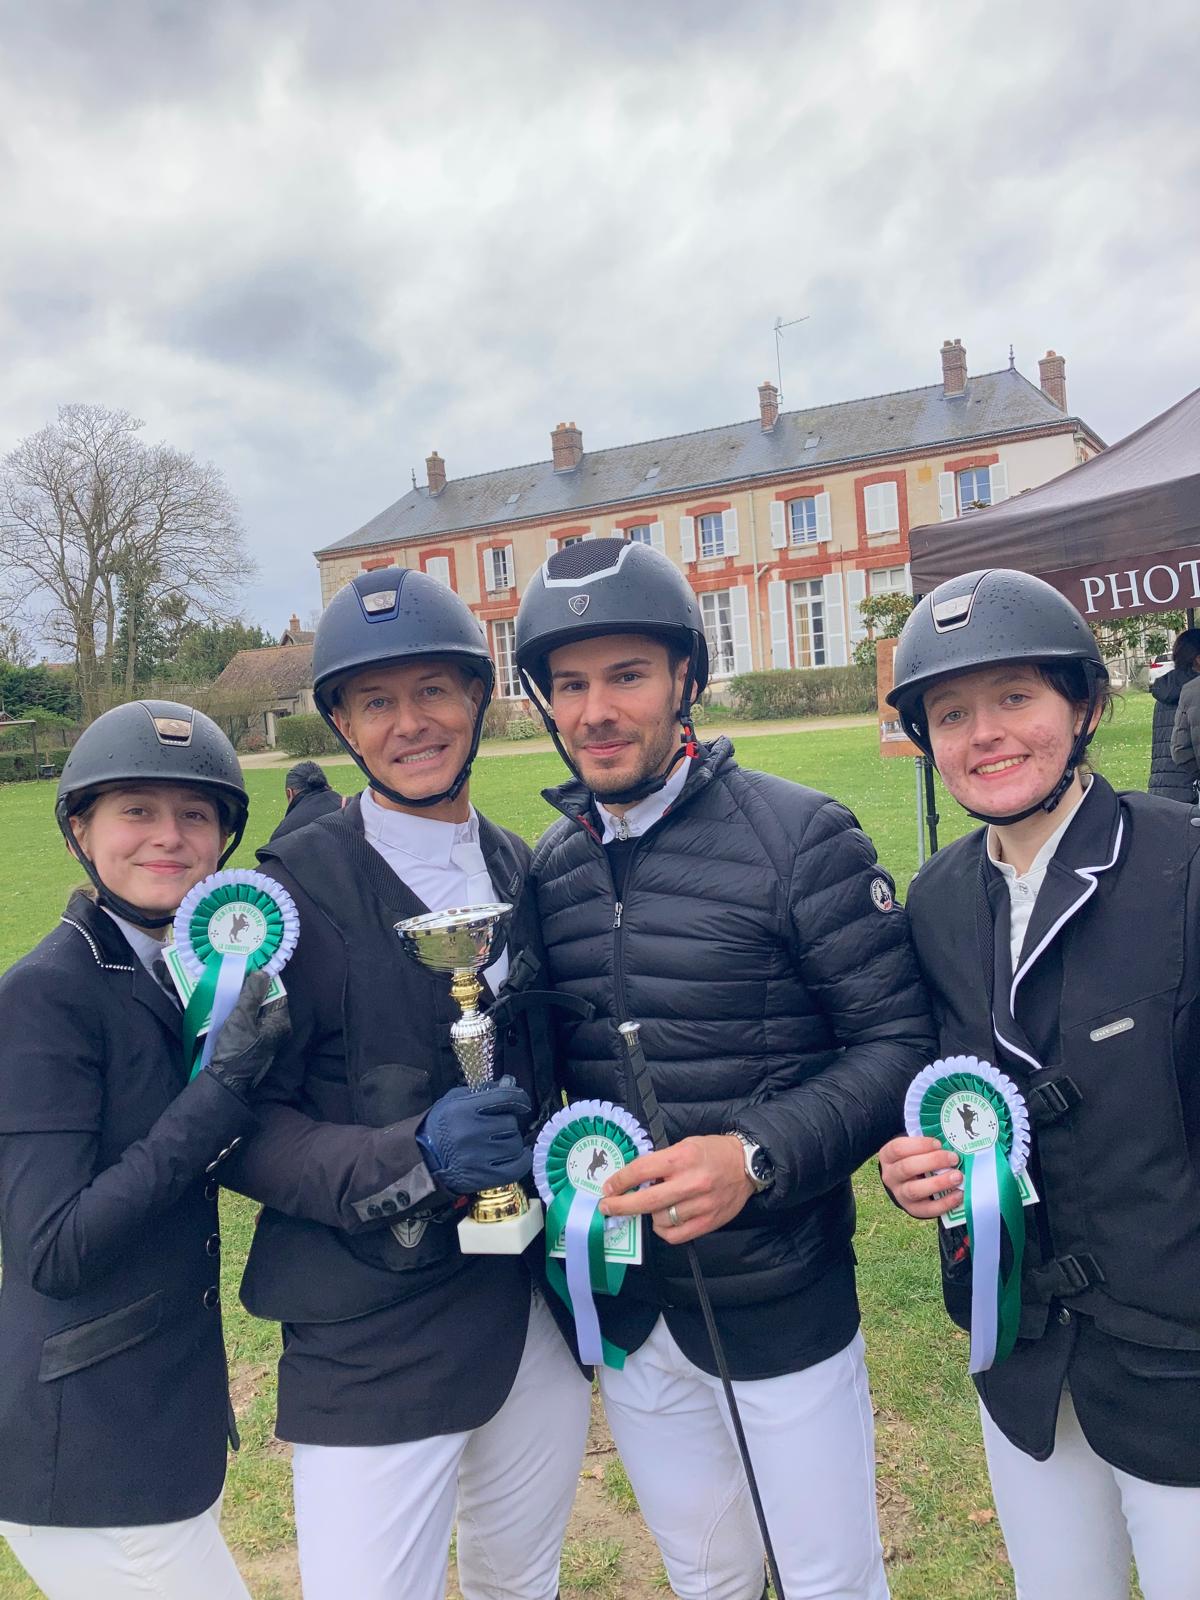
x=231, y=923
x=980, y=1113
x=576, y=1153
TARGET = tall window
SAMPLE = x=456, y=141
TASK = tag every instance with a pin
x=496, y=567
x=572, y=538
x=639, y=533
x=882, y=505
x=974, y=489
x=508, y=683
x=710, y=531
x=718, y=630
x=808, y=622
x=439, y=567
x=802, y=520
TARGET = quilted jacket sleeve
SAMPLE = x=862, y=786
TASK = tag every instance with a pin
x=854, y=952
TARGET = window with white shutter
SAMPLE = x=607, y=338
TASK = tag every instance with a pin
x=889, y=580
x=779, y=537
x=687, y=538
x=551, y=548
x=856, y=589
x=489, y=571
x=999, y=480
x=439, y=567
x=947, y=503
x=882, y=505
x=739, y=611
x=717, y=615
x=824, y=521
x=808, y=622
x=802, y=520
x=658, y=536
x=710, y=535
x=508, y=681
x=729, y=526
x=835, y=622
x=498, y=568
x=638, y=534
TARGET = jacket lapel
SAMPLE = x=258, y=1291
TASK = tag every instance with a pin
x=111, y=952
x=1089, y=847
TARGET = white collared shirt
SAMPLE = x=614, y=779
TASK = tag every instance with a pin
x=441, y=862
x=642, y=816
x=1024, y=890
x=141, y=941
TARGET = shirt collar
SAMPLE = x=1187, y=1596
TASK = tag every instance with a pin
x=140, y=940
x=642, y=816
x=424, y=837
x=1041, y=861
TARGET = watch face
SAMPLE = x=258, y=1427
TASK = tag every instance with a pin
x=760, y=1166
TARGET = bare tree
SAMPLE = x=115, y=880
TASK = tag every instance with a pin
x=101, y=528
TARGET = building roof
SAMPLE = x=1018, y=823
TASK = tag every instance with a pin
x=279, y=670
x=801, y=441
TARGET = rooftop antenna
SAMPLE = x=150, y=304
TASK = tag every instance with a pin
x=413, y=470
x=1012, y=360
x=780, y=325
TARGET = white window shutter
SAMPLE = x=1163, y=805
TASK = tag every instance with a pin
x=551, y=548
x=778, y=526
x=730, y=529
x=687, y=538
x=439, y=567
x=824, y=519
x=856, y=588
x=589, y=534
x=489, y=570
x=947, y=504
x=658, y=536
x=835, y=621
x=999, y=481
x=777, y=602
x=510, y=561
x=907, y=579
x=739, y=618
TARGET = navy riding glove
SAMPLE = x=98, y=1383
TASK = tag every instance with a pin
x=471, y=1138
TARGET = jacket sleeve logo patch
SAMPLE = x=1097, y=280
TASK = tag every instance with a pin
x=881, y=895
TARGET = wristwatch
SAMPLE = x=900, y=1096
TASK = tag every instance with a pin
x=760, y=1169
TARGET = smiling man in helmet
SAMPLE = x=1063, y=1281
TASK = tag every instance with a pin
x=744, y=922
x=413, y=1377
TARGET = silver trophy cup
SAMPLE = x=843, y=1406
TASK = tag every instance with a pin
x=462, y=942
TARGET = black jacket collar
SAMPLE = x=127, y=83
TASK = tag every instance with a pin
x=576, y=801
x=112, y=952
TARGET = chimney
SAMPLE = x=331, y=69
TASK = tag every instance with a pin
x=294, y=625
x=435, y=473
x=768, y=405
x=954, y=368
x=567, y=443
x=1052, y=371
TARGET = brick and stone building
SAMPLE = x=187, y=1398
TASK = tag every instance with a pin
x=782, y=524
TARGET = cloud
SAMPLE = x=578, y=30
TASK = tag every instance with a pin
x=313, y=242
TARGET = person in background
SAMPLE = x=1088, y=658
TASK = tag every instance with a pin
x=308, y=797
x=1180, y=725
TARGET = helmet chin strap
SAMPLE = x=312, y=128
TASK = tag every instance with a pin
x=151, y=921
x=1049, y=803
x=652, y=785
x=424, y=801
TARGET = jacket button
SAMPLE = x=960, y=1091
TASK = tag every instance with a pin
x=211, y=1296
x=212, y=1245
x=374, y=1210
x=1064, y=1316
x=402, y=1199
x=389, y=1206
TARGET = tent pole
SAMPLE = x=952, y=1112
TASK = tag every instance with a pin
x=931, y=810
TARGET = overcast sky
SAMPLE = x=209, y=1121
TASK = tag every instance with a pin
x=313, y=241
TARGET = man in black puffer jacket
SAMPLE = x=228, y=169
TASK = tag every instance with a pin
x=744, y=922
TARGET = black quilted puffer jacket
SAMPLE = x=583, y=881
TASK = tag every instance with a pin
x=762, y=950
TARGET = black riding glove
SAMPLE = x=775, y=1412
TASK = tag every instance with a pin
x=251, y=1038
x=471, y=1138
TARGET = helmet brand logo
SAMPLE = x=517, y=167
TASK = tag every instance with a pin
x=381, y=600
x=173, y=729
x=579, y=603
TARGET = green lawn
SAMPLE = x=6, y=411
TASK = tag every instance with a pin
x=942, y=1537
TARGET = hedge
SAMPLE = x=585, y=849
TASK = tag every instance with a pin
x=22, y=766
x=818, y=692
x=305, y=735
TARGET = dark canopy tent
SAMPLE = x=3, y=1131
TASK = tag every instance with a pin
x=1118, y=535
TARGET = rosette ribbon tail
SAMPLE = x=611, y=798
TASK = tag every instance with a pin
x=992, y=1202
x=574, y=1211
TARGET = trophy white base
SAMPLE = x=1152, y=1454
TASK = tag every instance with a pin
x=505, y=1238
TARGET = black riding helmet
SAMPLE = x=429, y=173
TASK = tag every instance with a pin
x=991, y=618
x=383, y=618
x=150, y=741
x=603, y=586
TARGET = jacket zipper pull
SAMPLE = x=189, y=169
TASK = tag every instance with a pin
x=617, y=916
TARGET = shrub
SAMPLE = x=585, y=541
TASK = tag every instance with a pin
x=21, y=766
x=306, y=735
x=819, y=692
x=252, y=744
x=510, y=719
